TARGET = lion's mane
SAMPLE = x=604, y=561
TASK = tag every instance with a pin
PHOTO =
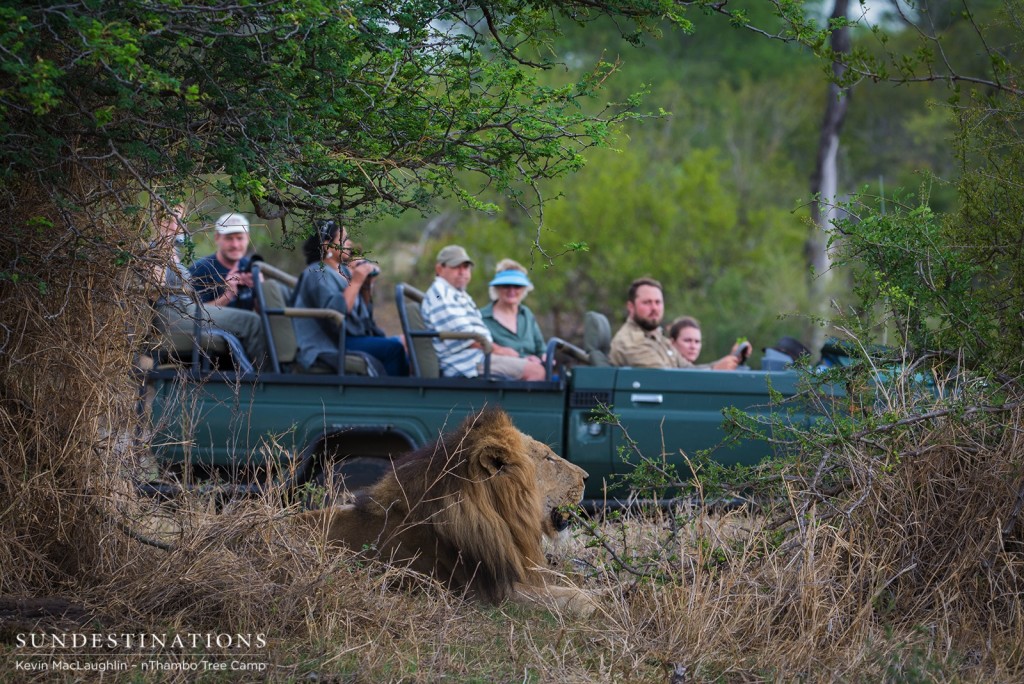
x=466, y=509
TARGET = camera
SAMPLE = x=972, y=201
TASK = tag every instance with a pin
x=374, y=272
x=248, y=264
x=743, y=352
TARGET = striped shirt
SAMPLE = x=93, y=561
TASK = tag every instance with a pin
x=448, y=309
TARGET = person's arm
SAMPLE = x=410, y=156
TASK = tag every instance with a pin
x=617, y=353
x=726, y=363
x=470, y=321
x=499, y=349
x=357, y=274
x=322, y=290
x=454, y=316
x=644, y=357
x=229, y=292
x=739, y=354
x=447, y=314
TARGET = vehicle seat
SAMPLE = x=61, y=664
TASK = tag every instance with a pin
x=419, y=339
x=278, y=324
x=783, y=354
x=597, y=338
x=281, y=328
x=216, y=349
x=423, y=362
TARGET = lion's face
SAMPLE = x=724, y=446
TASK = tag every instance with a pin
x=560, y=483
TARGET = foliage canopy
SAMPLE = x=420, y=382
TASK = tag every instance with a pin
x=299, y=105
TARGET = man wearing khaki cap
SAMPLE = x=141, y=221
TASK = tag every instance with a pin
x=447, y=307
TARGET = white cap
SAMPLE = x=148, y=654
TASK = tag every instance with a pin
x=231, y=223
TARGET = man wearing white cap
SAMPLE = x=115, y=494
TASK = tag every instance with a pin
x=447, y=307
x=178, y=314
x=223, y=278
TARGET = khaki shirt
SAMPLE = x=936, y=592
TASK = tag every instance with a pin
x=634, y=346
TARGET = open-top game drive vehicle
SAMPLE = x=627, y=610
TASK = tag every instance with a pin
x=217, y=420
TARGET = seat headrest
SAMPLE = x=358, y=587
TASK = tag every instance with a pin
x=597, y=332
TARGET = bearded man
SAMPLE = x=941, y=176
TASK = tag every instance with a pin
x=640, y=342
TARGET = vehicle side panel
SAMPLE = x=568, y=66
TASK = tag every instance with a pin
x=228, y=424
x=678, y=412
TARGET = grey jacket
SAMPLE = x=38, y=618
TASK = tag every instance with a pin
x=321, y=287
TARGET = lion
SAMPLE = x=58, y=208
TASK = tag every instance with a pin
x=470, y=510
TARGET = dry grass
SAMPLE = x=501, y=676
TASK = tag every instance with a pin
x=911, y=573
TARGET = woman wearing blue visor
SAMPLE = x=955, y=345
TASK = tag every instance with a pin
x=512, y=324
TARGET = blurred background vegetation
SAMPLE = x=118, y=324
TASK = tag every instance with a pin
x=709, y=194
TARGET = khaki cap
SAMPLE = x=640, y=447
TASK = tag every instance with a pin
x=452, y=256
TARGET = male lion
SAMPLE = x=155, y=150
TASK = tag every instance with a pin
x=470, y=510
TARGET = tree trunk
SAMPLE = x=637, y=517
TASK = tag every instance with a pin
x=825, y=182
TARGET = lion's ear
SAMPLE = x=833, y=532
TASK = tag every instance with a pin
x=493, y=440
x=493, y=460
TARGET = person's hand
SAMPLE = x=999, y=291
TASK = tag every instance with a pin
x=535, y=359
x=500, y=350
x=726, y=363
x=362, y=269
x=243, y=279
x=742, y=350
x=232, y=281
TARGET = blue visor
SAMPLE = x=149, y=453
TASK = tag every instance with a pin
x=511, y=278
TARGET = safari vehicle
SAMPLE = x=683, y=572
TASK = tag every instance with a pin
x=218, y=420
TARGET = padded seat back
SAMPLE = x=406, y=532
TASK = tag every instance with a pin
x=279, y=322
x=597, y=338
x=282, y=328
x=423, y=361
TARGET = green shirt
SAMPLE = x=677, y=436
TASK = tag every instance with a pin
x=526, y=340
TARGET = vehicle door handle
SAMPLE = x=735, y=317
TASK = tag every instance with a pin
x=646, y=398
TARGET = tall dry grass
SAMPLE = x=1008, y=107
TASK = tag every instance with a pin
x=71, y=320
x=909, y=570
